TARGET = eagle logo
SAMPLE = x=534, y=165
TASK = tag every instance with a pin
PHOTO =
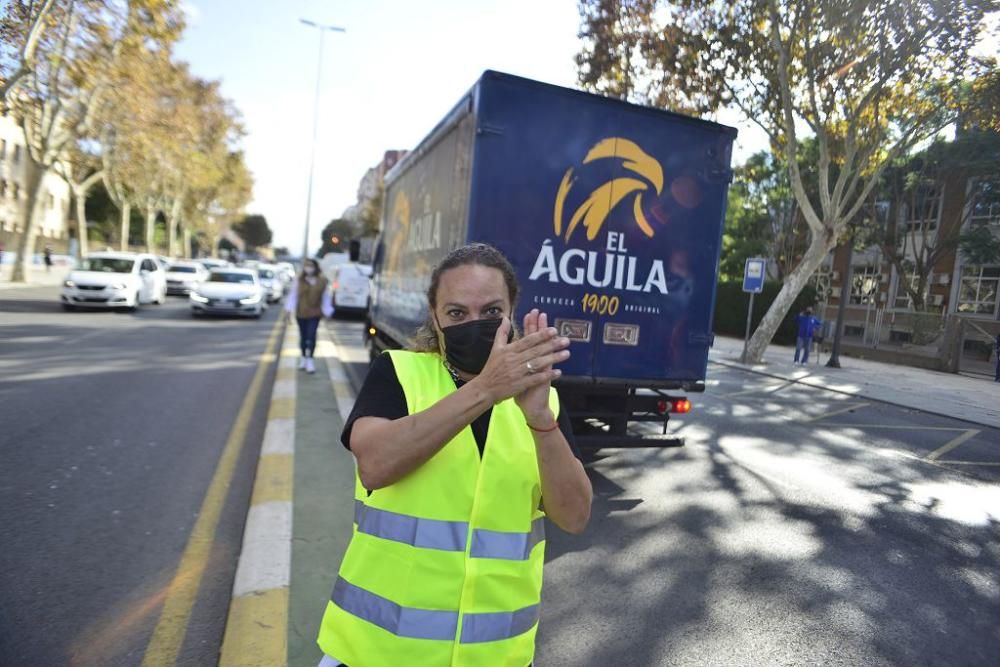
x=594, y=211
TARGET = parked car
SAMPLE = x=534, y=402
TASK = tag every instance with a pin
x=213, y=263
x=229, y=291
x=351, y=287
x=182, y=277
x=287, y=272
x=270, y=282
x=115, y=280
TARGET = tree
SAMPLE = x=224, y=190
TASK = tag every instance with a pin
x=20, y=33
x=56, y=94
x=371, y=214
x=869, y=79
x=254, y=230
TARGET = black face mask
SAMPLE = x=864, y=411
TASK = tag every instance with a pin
x=468, y=345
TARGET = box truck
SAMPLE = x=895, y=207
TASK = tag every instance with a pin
x=612, y=216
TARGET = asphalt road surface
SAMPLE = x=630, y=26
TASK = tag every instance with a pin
x=796, y=527
x=112, y=426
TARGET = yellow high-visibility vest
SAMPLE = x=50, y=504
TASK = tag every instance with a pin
x=444, y=567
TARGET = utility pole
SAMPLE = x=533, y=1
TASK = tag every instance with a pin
x=323, y=29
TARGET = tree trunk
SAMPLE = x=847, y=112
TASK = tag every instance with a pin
x=794, y=282
x=126, y=219
x=187, y=244
x=150, y=228
x=173, y=221
x=26, y=245
x=80, y=198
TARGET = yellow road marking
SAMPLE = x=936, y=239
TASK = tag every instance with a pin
x=849, y=408
x=183, y=589
x=952, y=444
x=250, y=631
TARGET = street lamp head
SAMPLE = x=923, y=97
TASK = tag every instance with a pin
x=331, y=28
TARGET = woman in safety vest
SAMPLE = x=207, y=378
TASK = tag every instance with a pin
x=458, y=442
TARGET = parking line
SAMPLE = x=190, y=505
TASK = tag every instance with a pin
x=168, y=636
x=849, y=408
x=952, y=444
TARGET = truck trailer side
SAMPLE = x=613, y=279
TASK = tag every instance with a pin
x=612, y=216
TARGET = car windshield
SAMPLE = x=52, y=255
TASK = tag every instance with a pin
x=266, y=273
x=182, y=269
x=108, y=264
x=228, y=277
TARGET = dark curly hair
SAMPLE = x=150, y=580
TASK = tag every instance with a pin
x=480, y=254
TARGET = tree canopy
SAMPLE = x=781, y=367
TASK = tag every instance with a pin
x=869, y=79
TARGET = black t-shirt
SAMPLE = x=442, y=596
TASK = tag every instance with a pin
x=382, y=396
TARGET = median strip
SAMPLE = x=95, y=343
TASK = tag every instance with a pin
x=257, y=626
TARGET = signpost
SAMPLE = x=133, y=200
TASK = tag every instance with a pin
x=753, y=282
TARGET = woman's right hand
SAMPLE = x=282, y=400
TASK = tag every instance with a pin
x=525, y=363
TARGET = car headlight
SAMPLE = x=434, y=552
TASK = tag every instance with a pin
x=198, y=298
x=69, y=283
x=250, y=300
x=118, y=286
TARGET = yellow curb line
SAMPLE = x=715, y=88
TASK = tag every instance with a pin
x=257, y=624
x=168, y=636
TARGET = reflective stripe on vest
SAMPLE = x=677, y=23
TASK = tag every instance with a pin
x=429, y=623
x=447, y=535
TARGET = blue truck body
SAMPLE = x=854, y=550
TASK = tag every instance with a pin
x=612, y=215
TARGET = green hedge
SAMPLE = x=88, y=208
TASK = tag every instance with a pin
x=731, y=310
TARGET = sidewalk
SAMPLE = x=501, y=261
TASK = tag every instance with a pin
x=37, y=277
x=957, y=396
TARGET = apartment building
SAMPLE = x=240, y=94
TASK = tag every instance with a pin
x=53, y=224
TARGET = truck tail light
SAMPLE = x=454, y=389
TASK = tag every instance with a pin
x=675, y=405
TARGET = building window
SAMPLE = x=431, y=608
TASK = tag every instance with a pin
x=15, y=191
x=3, y=189
x=902, y=300
x=3, y=148
x=923, y=209
x=864, y=285
x=984, y=201
x=17, y=153
x=977, y=293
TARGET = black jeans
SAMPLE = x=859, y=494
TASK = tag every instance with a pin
x=307, y=334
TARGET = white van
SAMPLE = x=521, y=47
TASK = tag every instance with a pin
x=351, y=287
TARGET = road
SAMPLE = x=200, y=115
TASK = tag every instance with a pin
x=796, y=527
x=112, y=427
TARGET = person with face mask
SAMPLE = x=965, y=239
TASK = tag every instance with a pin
x=309, y=300
x=460, y=443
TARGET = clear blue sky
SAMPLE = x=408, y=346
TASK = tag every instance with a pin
x=386, y=82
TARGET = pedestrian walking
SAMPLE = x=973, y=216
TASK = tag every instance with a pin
x=808, y=326
x=308, y=301
x=459, y=441
x=47, y=258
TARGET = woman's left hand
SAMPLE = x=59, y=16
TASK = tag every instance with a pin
x=534, y=402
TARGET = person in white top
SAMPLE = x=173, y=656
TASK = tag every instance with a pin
x=308, y=301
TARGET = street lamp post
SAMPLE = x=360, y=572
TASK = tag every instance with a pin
x=323, y=29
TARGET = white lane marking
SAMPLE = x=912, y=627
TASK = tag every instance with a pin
x=266, y=560
x=279, y=437
x=283, y=389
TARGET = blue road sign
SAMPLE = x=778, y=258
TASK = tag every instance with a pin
x=753, y=275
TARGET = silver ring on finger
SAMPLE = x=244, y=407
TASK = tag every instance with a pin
x=531, y=369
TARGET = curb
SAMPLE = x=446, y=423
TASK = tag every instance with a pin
x=804, y=381
x=257, y=623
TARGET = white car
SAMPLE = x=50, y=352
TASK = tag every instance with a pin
x=211, y=263
x=270, y=282
x=182, y=277
x=351, y=287
x=229, y=291
x=115, y=280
